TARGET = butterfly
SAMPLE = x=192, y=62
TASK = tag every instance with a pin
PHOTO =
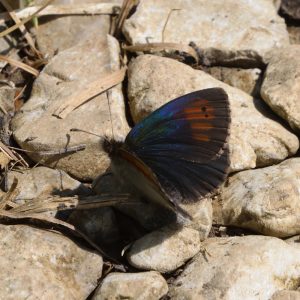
x=179, y=153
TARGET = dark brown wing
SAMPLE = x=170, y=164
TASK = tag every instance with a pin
x=184, y=144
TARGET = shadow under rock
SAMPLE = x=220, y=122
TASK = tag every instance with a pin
x=135, y=219
x=267, y=112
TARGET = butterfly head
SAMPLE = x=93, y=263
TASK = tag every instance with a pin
x=111, y=146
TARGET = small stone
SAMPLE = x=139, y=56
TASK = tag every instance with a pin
x=164, y=250
x=256, y=138
x=265, y=200
x=243, y=79
x=249, y=267
x=132, y=286
x=212, y=26
x=40, y=264
x=281, y=85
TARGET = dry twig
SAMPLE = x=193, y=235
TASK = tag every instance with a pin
x=10, y=195
x=162, y=47
x=125, y=10
x=56, y=203
x=93, y=89
x=20, y=65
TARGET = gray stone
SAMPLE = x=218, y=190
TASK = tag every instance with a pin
x=212, y=26
x=39, y=264
x=249, y=267
x=65, y=75
x=265, y=200
x=256, y=138
x=281, y=85
x=132, y=286
x=164, y=250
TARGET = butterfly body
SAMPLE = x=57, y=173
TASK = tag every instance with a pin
x=178, y=154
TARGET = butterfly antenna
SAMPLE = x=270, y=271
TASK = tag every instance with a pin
x=88, y=132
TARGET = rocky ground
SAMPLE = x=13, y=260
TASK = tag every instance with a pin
x=243, y=243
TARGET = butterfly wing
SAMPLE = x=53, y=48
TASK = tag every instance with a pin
x=184, y=144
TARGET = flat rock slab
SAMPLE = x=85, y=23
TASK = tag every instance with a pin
x=281, y=85
x=265, y=200
x=164, y=250
x=212, y=26
x=39, y=264
x=132, y=286
x=67, y=74
x=249, y=267
x=256, y=139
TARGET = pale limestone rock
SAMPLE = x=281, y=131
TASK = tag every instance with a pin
x=281, y=85
x=249, y=267
x=164, y=250
x=36, y=129
x=212, y=26
x=132, y=286
x=256, y=138
x=39, y=264
x=265, y=200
